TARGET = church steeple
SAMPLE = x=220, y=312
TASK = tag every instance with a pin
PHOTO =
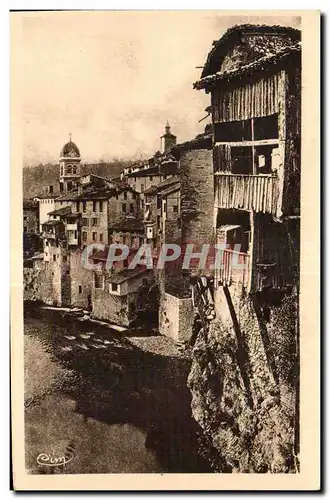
x=69, y=166
x=168, y=140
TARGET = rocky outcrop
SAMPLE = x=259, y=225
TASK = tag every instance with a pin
x=243, y=386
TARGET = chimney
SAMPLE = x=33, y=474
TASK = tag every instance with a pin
x=168, y=140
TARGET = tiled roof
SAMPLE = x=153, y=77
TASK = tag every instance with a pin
x=29, y=204
x=161, y=185
x=259, y=40
x=127, y=274
x=260, y=64
x=127, y=224
x=61, y=211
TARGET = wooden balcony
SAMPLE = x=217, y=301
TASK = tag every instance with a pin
x=246, y=192
x=234, y=268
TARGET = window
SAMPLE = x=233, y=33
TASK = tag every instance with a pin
x=61, y=170
x=69, y=169
x=65, y=259
x=25, y=229
x=150, y=177
x=241, y=160
x=84, y=235
x=175, y=209
x=84, y=221
x=94, y=236
x=123, y=208
x=54, y=258
x=74, y=169
x=79, y=289
x=84, y=206
x=101, y=206
x=125, y=195
x=71, y=220
x=76, y=235
x=114, y=287
x=142, y=188
x=236, y=131
x=101, y=237
x=266, y=127
x=46, y=243
x=95, y=221
x=131, y=208
x=94, y=206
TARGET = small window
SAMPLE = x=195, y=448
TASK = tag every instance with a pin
x=94, y=206
x=125, y=195
x=77, y=206
x=84, y=221
x=175, y=209
x=98, y=280
x=69, y=169
x=94, y=236
x=84, y=235
x=25, y=229
x=79, y=289
x=69, y=185
x=123, y=208
x=54, y=258
x=25, y=218
x=74, y=169
x=65, y=259
x=84, y=206
x=142, y=188
x=95, y=221
x=101, y=206
x=114, y=287
x=150, y=177
x=131, y=208
x=101, y=237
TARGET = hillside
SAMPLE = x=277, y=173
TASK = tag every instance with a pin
x=35, y=178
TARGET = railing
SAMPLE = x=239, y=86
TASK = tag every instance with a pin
x=247, y=192
x=234, y=268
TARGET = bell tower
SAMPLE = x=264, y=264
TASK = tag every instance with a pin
x=168, y=140
x=69, y=166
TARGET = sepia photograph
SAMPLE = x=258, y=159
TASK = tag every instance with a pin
x=160, y=163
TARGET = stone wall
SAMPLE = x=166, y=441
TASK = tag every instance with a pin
x=243, y=383
x=197, y=199
x=117, y=309
x=176, y=317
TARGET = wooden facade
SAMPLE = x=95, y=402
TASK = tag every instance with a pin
x=252, y=99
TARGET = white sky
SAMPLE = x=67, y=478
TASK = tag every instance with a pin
x=112, y=79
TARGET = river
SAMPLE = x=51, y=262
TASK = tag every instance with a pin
x=103, y=403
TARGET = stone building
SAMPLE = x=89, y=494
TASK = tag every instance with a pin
x=30, y=216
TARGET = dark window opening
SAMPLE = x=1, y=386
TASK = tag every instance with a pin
x=80, y=289
x=74, y=169
x=101, y=206
x=131, y=208
x=123, y=208
x=84, y=206
x=69, y=169
x=241, y=160
x=125, y=195
x=266, y=127
x=54, y=258
x=101, y=237
x=65, y=258
x=114, y=287
x=94, y=236
x=98, y=281
x=175, y=209
x=77, y=206
x=94, y=206
x=84, y=236
x=236, y=131
x=69, y=185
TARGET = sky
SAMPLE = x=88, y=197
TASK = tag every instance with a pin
x=113, y=79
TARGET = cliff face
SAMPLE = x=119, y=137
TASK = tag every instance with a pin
x=243, y=385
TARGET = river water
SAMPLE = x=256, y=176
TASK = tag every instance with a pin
x=104, y=404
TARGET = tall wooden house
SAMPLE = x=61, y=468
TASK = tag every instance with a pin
x=253, y=74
